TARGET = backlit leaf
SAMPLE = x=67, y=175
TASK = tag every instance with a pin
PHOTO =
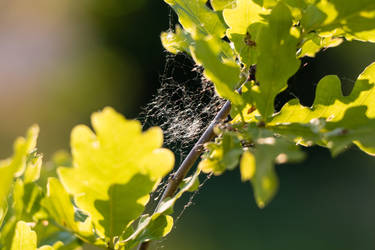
x=344, y=118
x=159, y=223
x=244, y=29
x=222, y=4
x=195, y=17
x=24, y=238
x=60, y=208
x=114, y=170
x=261, y=150
x=352, y=19
x=15, y=166
x=222, y=70
x=277, y=59
x=330, y=103
x=176, y=42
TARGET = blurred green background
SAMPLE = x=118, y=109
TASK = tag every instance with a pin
x=62, y=60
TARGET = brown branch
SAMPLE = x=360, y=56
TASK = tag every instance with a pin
x=190, y=159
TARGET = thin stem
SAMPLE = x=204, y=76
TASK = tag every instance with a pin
x=190, y=159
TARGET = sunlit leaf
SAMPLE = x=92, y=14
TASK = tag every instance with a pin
x=261, y=150
x=352, y=19
x=159, y=223
x=222, y=4
x=266, y=152
x=247, y=166
x=149, y=228
x=195, y=17
x=188, y=186
x=354, y=127
x=176, y=42
x=346, y=118
x=114, y=170
x=277, y=60
x=244, y=28
x=33, y=168
x=60, y=208
x=3, y=211
x=330, y=103
x=240, y=18
x=224, y=156
x=15, y=166
x=315, y=43
x=222, y=70
x=24, y=238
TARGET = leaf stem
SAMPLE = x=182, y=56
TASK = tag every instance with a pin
x=191, y=158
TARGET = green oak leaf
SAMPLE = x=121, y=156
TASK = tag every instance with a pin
x=353, y=19
x=343, y=119
x=176, y=42
x=33, y=168
x=277, y=62
x=167, y=204
x=257, y=165
x=222, y=4
x=16, y=165
x=151, y=227
x=329, y=102
x=224, y=154
x=244, y=28
x=59, y=206
x=3, y=211
x=159, y=224
x=195, y=17
x=313, y=17
x=50, y=233
x=24, y=238
x=260, y=150
x=355, y=127
x=267, y=3
x=193, y=186
x=114, y=170
x=26, y=199
x=222, y=70
x=240, y=18
x=314, y=43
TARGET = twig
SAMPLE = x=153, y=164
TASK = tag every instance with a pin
x=190, y=159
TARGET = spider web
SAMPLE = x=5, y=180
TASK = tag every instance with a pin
x=184, y=104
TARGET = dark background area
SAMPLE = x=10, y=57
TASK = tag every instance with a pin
x=61, y=63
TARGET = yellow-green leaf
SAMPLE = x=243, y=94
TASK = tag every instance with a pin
x=247, y=166
x=59, y=206
x=277, y=60
x=330, y=103
x=24, y=238
x=176, y=42
x=159, y=223
x=15, y=166
x=244, y=28
x=114, y=170
x=222, y=70
x=222, y=4
x=261, y=150
x=346, y=118
x=195, y=17
x=32, y=171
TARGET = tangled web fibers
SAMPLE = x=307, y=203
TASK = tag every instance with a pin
x=184, y=104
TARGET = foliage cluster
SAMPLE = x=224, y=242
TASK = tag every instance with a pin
x=99, y=193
